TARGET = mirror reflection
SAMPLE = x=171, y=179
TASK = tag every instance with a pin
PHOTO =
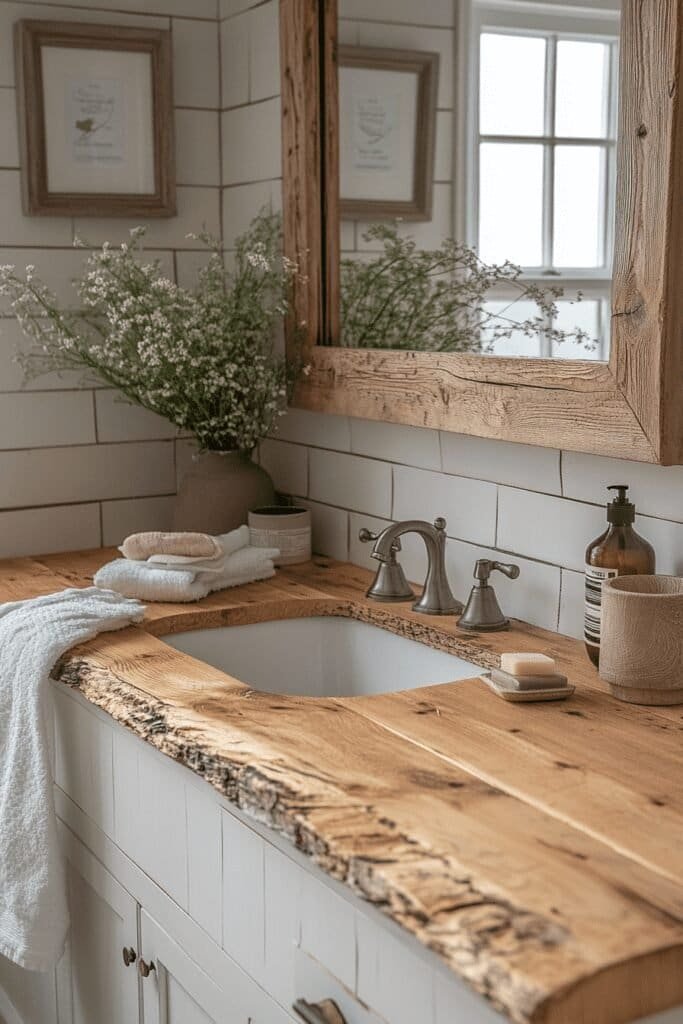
x=477, y=175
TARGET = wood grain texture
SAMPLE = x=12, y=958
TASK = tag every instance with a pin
x=633, y=408
x=560, y=405
x=533, y=848
x=302, y=170
x=647, y=335
x=330, y=175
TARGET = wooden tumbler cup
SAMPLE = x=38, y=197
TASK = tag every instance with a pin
x=641, y=643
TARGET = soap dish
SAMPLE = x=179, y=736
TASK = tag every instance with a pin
x=508, y=687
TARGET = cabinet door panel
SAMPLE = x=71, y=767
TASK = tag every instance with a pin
x=26, y=997
x=180, y=1007
x=103, y=921
x=177, y=991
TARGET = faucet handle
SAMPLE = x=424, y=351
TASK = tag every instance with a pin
x=482, y=611
x=365, y=536
x=485, y=566
x=390, y=583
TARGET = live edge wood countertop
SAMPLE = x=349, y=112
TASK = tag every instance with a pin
x=536, y=848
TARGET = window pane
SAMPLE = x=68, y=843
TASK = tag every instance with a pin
x=518, y=344
x=582, y=90
x=510, y=202
x=511, y=84
x=579, y=215
x=585, y=315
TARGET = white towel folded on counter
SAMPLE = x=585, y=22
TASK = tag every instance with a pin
x=149, y=582
x=34, y=634
x=226, y=544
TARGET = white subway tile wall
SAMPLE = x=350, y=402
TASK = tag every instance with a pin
x=42, y=531
x=520, y=465
x=522, y=509
x=392, y=442
x=536, y=506
x=234, y=37
x=471, y=504
x=124, y=516
x=287, y=464
x=78, y=466
x=350, y=481
x=264, y=52
x=119, y=420
x=260, y=123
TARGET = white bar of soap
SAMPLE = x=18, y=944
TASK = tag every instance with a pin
x=527, y=664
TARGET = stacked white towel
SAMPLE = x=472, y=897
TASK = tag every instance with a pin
x=182, y=578
x=33, y=636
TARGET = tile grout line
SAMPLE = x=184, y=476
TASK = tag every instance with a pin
x=559, y=602
x=495, y=530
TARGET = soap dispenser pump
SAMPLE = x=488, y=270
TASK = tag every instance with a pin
x=619, y=551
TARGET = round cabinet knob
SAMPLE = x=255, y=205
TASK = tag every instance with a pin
x=129, y=955
x=144, y=968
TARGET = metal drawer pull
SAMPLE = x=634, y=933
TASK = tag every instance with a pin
x=129, y=955
x=144, y=968
x=325, y=1012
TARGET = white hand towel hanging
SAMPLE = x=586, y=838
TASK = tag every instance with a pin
x=34, y=634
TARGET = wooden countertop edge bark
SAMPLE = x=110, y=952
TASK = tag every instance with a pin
x=444, y=842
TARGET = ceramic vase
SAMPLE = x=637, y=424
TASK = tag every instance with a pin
x=218, y=490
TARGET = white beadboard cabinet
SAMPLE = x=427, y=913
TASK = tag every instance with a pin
x=103, y=923
x=222, y=921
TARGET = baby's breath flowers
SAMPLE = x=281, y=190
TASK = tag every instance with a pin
x=440, y=300
x=204, y=359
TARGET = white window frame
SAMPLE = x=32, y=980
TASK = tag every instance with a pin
x=550, y=19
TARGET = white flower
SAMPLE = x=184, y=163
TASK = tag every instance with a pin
x=203, y=359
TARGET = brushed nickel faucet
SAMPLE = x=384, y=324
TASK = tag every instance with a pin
x=482, y=612
x=390, y=583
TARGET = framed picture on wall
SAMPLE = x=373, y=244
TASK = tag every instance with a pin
x=95, y=119
x=387, y=128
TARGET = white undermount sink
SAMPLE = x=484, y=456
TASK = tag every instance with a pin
x=322, y=656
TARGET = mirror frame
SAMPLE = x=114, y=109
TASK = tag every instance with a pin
x=630, y=407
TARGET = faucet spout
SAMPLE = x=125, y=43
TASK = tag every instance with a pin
x=437, y=597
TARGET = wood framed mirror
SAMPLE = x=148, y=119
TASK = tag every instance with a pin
x=629, y=405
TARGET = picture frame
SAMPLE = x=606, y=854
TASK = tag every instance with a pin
x=383, y=172
x=95, y=113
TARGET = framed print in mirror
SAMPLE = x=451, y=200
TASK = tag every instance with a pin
x=95, y=119
x=387, y=112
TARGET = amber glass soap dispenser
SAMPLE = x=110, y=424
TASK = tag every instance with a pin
x=619, y=551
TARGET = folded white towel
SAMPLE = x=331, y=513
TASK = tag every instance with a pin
x=138, y=579
x=228, y=543
x=34, y=634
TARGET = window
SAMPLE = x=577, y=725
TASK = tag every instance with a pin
x=543, y=159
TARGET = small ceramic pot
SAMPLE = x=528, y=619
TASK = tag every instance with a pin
x=218, y=490
x=641, y=646
x=285, y=527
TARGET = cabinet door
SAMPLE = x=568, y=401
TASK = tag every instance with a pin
x=176, y=990
x=26, y=997
x=103, y=922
